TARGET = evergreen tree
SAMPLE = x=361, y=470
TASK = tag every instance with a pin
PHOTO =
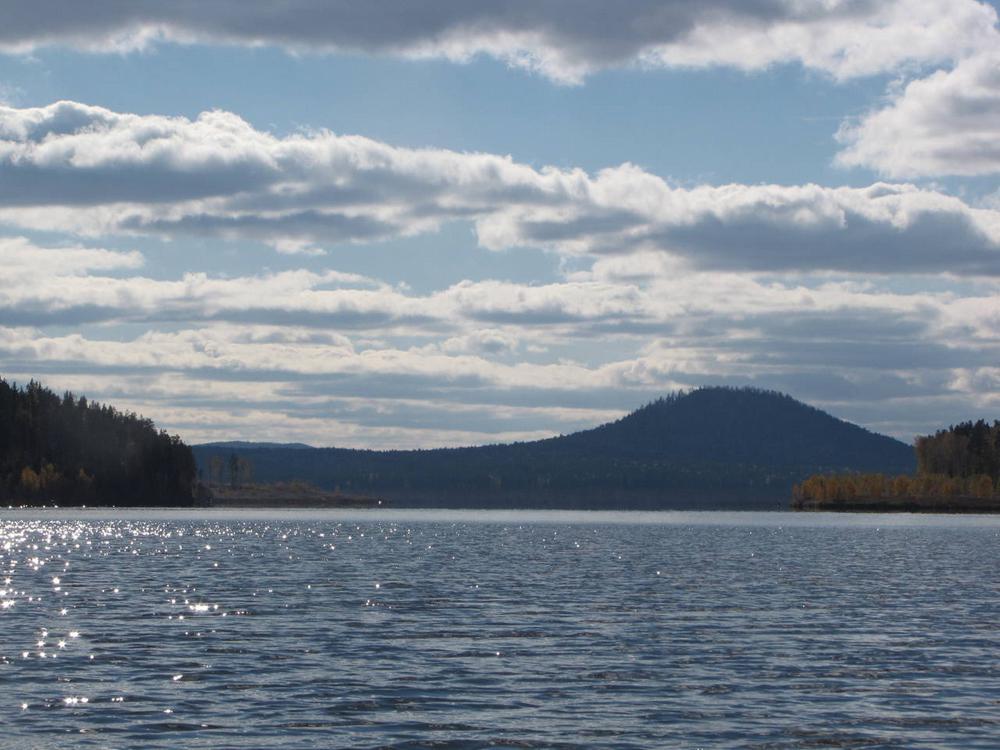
x=72, y=451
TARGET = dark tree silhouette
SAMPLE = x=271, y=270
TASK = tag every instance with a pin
x=73, y=451
x=963, y=450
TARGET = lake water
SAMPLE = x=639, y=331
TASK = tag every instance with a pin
x=233, y=629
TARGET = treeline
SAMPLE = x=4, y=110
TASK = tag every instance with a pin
x=68, y=450
x=848, y=487
x=962, y=461
x=518, y=467
x=965, y=450
x=508, y=476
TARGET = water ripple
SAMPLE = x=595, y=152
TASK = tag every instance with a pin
x=230, y=630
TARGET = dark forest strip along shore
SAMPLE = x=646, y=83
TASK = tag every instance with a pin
x=69, y=451
x=286, y=495
x=961, y=504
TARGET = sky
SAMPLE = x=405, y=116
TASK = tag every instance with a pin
x=393, y=224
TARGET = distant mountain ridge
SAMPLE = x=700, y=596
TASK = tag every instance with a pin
x=250, y=444
x=711, y=447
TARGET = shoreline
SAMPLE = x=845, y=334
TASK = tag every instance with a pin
x=285, y=495
x=628, y=515
x=913, y=504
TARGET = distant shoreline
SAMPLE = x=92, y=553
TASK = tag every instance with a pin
x=285, y=495
x=959, y=504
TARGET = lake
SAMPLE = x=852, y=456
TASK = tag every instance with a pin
x=240, y=629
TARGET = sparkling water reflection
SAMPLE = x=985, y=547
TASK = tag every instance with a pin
x=248, y=629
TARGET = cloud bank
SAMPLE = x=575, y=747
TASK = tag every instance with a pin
x=91, y=171
x=940, y=125
x=565, y=40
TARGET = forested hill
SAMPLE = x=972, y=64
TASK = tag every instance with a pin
x=713, y=447
x=66, y=450
x=742, y=426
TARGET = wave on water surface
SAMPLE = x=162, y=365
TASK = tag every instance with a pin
x=414, y=629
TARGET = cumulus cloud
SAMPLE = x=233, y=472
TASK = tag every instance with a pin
x=562, y=39
x=633, y=295
x=43, y=285
x=945, y=124
x=884, y=228
x=89, y=170
x=22, y=260
x=483, y=340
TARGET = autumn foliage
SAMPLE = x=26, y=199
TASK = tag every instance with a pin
x=960, y=462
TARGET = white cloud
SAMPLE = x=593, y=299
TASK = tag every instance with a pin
x=945, y=124
x=563, y=40
x=639, y=295
x=845, y=39
x=63, y=285
x=88, y=170
x=488, y=341
x=24, y=261
x=884, y=228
